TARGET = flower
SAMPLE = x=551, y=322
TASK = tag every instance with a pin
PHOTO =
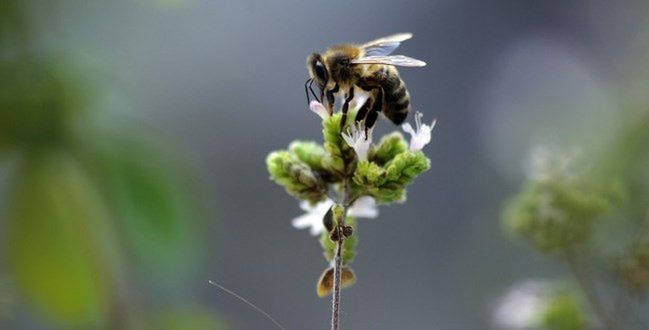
x=550, y=163
x=523, y=306
x=421, y=136
x=356, y=138
x=364, y=207
x=319, y=109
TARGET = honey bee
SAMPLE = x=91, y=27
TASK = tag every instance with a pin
x=370, y=67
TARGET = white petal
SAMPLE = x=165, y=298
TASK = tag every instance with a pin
x=408, y=129
x=364, y=207
x=319, y=109
x=312, y=219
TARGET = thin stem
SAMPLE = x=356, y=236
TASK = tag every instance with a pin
x=335, y=301
x=588, y=287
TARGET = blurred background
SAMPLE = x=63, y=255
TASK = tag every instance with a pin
x=133, y=135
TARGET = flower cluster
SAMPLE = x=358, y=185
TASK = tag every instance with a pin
x=558, y=205
x=347, y=168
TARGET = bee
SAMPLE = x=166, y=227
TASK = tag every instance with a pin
x=370, y=67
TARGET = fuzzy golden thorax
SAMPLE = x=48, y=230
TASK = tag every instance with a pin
x=338, y=59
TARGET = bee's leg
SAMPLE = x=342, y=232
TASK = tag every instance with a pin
x=370, y=120
x=362, y=112
x=331, y=100
x=350, y=97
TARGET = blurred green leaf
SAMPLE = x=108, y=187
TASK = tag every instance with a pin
x=151, y=196
x=56, y=248
x=38, y=101
x=564, y=312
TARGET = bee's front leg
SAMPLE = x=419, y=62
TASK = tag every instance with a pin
x=331, y=100
x=350, y=97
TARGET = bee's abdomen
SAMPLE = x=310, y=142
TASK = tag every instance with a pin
x=396, y=97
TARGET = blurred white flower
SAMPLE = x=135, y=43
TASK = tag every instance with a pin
x=523, y=306
x=420, y=136
x=355, y=138
x=547, y=163
x=319, y=109
x=364, y=207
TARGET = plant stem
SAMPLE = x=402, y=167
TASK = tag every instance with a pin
x=588, y=287
x=335, y=301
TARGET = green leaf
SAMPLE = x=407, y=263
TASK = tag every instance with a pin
x=154, y=201
x=38, y=101
x=564, y=312
x=60, y=250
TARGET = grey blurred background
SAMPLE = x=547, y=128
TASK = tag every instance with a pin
x=224, y=81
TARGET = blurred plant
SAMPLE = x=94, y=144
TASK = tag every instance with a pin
x=585, y=216
x=540, y=305
x=93, y=207
x=344, y=179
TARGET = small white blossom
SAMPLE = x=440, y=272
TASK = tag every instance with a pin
x=420, y=136
x=523, y=306
x=364, y=207
x=546, y=164
x=356, y=138
x=319, y=109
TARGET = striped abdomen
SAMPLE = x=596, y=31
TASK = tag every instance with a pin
x=395, y=95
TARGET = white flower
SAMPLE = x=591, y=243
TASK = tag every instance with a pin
x=319, y=109
x=355, y=138
x=364, y=207
x=548, y=163
x=523, y=306
x=421, y=136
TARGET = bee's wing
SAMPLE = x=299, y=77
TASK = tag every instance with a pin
x=386, y=45
x=397, y=60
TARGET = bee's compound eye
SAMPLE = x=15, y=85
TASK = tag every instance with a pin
x=320, y=71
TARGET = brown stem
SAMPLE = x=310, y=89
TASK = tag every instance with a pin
x=335, y=301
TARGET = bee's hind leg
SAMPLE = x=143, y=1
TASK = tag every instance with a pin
x=373, y=114
x=362, y=112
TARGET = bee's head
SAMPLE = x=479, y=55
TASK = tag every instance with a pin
x=317, y=70
x=318, y=73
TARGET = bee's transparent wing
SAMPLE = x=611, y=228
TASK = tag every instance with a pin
x=397, y=60
x=386, y=45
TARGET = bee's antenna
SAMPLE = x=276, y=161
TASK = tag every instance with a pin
x=247, y=302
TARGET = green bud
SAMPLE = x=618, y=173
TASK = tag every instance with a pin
x=310, y=153
x=337, y=210
x=369, y=175
x=339, y=155
x=406, y=166
x=389, y=146
x=388, y=194
x=387, y=185
x=298, y=179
